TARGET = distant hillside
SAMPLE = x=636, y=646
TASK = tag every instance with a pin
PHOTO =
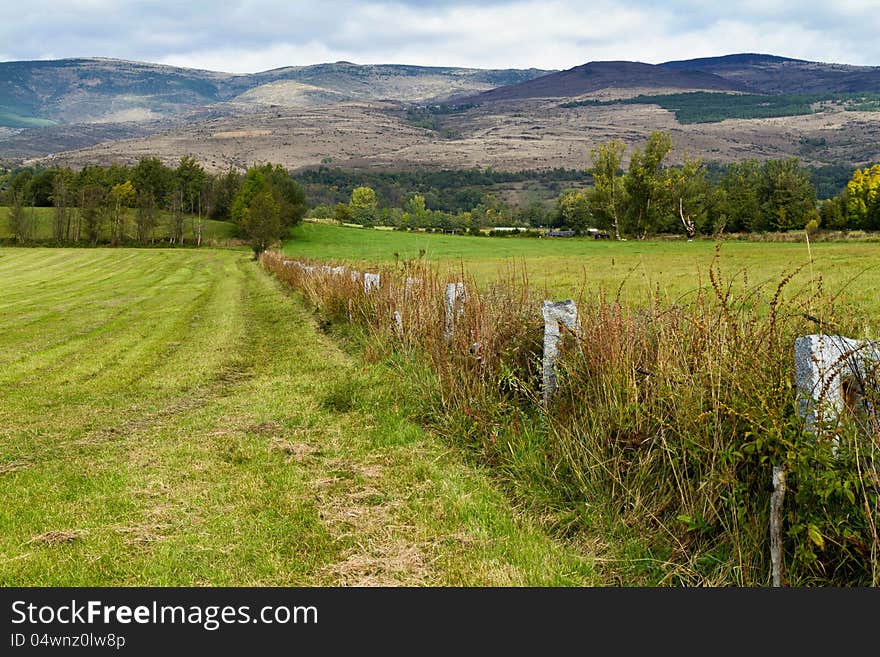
x=100, y=90
x=595, y=76
x=394, y=81
x=770, y=74
x=88, y=111
x=74, y=91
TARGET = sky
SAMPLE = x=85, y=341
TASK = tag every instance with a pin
x=247, y=36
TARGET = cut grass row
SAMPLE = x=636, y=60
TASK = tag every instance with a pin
x=175, y=418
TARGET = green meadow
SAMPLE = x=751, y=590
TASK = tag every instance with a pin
x=174, y=417
x=636, y=270
x=177, y=417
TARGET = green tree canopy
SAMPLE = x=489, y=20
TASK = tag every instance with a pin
x=363, y=205
x=261, y=220
x=152, y=177
x=288, y=194
x=644, y=185
x=573, y=207
x=607, y=198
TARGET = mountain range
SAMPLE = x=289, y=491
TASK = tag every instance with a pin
x=92, y=109
x=69, y=91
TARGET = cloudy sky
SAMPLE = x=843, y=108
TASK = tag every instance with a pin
x=253, y=35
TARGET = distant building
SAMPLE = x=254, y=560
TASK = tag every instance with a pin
x=560, y=233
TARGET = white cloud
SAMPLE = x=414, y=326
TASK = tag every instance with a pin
x=252, y=35
x=239, y=60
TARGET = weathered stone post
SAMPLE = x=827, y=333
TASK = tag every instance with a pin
x=409, y=285
x=776, y=499
x=398, y=324
x=555, y=313
x=828, y=370
x=371, y=281
x=455, y=293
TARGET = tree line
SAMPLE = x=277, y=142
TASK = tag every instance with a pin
x=448, y=190
x=151, y=202
x=755, y=196
x=858, y=206
x=363, y=208
x=648, y=197
x=651, y=197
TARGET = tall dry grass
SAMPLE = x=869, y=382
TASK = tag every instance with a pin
x=663, y=431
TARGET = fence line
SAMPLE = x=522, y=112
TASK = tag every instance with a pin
x=831, y=372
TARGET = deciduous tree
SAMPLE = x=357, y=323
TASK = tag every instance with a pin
x=62, y=199
x=363, y=205
x=122, y=196
x=145, y=216
x=607, y=198
x=644, y=185
x=261, y=220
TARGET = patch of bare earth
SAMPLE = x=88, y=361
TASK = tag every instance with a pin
x=358, y=511
x=56, y=537
x=144, y=533
x=7, y=468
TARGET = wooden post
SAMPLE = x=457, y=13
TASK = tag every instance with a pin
x=776, y=499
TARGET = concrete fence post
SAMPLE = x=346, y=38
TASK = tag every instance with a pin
x=555, y=313
x=455, y=293
x=829, y=372
x=371, y=281
x=398, y=324
x=409, y=285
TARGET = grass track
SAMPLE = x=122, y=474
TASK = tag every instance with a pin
x=172, y=417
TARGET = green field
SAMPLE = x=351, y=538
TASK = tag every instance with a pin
x=10, y=119
x=173, y=417
x=212, y=231
x=567, y=267
x=712, y=107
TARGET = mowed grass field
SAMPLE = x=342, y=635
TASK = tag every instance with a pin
x=569, y=267
x=174, y=417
